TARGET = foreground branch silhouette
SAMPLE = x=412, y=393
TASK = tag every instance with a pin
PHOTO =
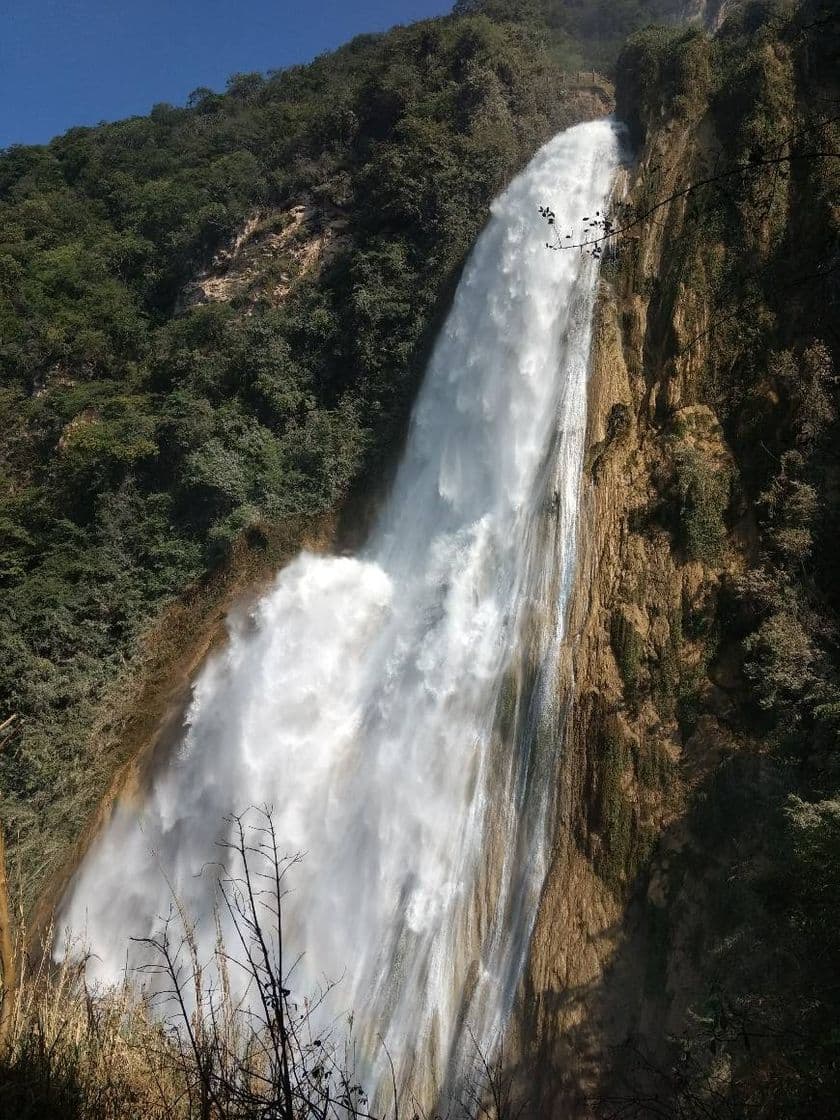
x=219, y=1039
x=245, y=1045
x=780, y=158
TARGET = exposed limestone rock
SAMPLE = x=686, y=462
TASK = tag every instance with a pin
x=711, y=13
x=83, y=420
x=598, y=975
x=269, y=255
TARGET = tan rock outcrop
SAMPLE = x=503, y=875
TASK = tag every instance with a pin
x=597, y=977
x=269, y=255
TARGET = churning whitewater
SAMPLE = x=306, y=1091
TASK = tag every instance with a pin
x=400, y=709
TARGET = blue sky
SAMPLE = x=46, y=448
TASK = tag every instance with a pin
x=67, y=62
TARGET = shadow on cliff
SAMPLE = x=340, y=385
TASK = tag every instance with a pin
x=700, y=971
x=583, y=1039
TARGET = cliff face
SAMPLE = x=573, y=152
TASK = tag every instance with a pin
x=673, y=900
x=630, y=757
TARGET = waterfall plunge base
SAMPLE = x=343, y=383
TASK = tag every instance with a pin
x=400, y=709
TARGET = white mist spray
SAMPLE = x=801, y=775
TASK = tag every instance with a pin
x=400, y=709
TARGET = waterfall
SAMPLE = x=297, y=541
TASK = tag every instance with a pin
x=400, y=708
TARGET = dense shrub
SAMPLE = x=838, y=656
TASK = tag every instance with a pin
x=704, y=497
x=628, y=649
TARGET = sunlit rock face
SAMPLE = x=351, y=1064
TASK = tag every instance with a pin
x=711, y=13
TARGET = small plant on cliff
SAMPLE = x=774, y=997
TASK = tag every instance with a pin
x=628, y=649
x=614, y=812
x=704, y=497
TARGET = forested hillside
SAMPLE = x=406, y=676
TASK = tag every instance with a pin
x=592, y=32
x=144, y=431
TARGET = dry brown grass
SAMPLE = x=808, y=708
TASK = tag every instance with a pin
x=186, y=1038
x=75, y=1054
x=178, y=1040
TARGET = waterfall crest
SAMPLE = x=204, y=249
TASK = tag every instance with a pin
x=400, y=708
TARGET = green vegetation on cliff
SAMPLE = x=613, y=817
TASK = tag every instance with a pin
x=141, y=436
x=591, y=32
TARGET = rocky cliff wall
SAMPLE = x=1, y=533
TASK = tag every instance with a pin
x=660, y=925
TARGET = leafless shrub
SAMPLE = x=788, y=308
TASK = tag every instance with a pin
x=217, y=1039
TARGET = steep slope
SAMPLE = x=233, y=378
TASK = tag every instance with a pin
x=688, y=935
x=591, y=32
x=212, y=320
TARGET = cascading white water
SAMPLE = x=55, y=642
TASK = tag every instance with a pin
x=400, y=708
